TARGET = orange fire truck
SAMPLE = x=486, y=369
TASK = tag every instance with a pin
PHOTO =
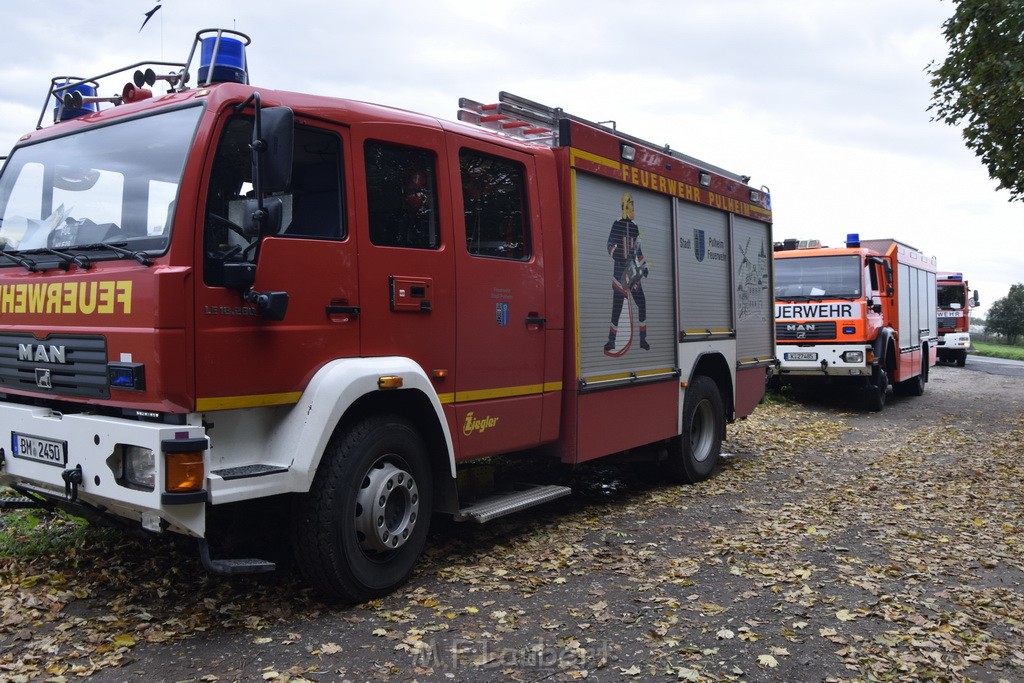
x=226, y=296
x=862, y=315
x=955, y=304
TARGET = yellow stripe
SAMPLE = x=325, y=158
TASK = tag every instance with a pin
x=706, y=331
x=604, y=161
x=605, y=378
x=659, y=371
x=259, y=400
x=629, y=375
x=575, y=268
x=501, y=392
x=255, y=401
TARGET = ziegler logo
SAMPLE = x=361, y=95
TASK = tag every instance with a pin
x=474, y=425
x=41, y=353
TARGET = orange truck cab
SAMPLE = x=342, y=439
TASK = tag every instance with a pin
x=860, y=317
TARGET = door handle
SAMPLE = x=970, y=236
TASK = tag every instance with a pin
x=338, y=310
x=534, y=319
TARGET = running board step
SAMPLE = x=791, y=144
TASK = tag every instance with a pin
x=16, y=502
x=247, y=565
x=501, y=504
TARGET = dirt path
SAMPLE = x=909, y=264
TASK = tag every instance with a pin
x=832, y=545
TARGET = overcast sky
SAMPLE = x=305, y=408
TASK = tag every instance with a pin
x=822, y=101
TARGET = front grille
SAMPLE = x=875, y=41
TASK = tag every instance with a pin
x=61, y=365
x=805, y=331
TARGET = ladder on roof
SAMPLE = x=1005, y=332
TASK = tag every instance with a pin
x=514, y=116
x=525, y=119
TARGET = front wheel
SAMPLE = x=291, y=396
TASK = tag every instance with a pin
x=875, y=390
x=359, y=531
x=961, y=359
x=694, y=453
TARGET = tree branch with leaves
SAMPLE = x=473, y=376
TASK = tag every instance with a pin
x=980, y=85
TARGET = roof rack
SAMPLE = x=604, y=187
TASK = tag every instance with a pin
x=526, y=119
x=222, y=58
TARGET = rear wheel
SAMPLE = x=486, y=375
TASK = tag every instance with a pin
x=359, y=531
x=694, y=453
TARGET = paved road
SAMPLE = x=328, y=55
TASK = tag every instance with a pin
x=995, y=366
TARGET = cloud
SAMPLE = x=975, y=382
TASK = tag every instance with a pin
x=824, y=102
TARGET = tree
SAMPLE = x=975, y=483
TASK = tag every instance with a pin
x=1006, y=315
x=981, y=85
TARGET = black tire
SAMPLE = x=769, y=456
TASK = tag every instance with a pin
x=913, y=386
x=694, y=454
x=961, y=359
x=344, y=552
x=876, y=389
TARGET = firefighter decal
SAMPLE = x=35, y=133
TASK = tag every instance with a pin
x=628, y=271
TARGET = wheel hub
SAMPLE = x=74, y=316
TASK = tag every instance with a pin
x=702, y=431
x=387, y=508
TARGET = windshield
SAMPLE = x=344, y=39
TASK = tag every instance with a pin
x=818, y=277
x=952, y=294
x=116, y=184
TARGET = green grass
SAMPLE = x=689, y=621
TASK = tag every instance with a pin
x=29, y=533
x=998, y=350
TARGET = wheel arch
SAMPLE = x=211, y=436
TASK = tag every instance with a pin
x=343, y=392
x=884, y=348
x=714, y=366
x=415, y=406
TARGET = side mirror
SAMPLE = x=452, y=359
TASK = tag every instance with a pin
x=276, y=133
x=975, y=300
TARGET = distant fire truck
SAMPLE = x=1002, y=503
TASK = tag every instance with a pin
x=224, y=295
x=955, y=304
x=860, y=316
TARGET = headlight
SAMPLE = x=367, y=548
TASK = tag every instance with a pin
x=140, y=467
x=853, y=356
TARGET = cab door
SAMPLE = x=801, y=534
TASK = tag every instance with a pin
x=242, y=358
x=501, y=318
x=406, y=269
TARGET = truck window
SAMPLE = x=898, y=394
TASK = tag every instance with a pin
x=494, y=202
x=401, y=194
x=818, y=277
x=311, y=209
x=96, y=186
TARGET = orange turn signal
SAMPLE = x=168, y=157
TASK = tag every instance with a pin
x=185, y=472
x=390, y=382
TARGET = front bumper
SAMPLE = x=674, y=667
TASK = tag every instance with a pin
x=837, y=360
x=94, y=447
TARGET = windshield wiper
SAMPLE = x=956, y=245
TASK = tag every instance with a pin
x=27, y=264
x=82, y=262
x=118, y=248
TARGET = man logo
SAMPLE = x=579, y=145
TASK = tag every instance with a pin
x=698, y=244
x=43, y=380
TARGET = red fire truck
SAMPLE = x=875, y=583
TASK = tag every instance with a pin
x=955, y=304
x=223, y=296
x=862, y=315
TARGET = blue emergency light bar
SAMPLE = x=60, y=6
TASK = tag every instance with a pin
x=86, y=93
x=853, y=240
x=222, y=58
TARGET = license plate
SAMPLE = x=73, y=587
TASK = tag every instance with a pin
x=39, y=449
x=801, y=355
